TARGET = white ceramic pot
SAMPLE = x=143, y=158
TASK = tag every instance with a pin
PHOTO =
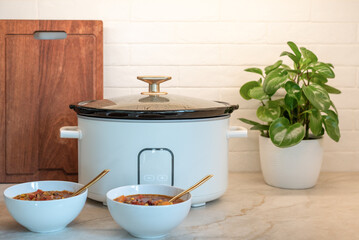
x=296, y=167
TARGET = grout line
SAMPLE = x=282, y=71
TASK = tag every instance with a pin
x=245, y=151
x=258, y=44
x=228, y=65
x=196, y=65
x=228, y=21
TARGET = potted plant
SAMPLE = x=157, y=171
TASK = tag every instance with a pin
x=295, y=111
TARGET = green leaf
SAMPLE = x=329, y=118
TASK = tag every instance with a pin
x=293, y=71
x=291, y=56
x=332, y=127
x=315, y=122
x=290, y=102
x=274, y=80
x=330, y=65
x=323, y=69
x=309, y=55
x=295, y=49
x=279, y=102
x=254, y=70
x=302, y=101
x=250, y=122
x=286, y=67
x=304, y=63
x=270, y=68
x=283, y=134
x=293, y=95
x=269, y=112
x=333, y=115
x=260, y=127
x=335, y=109
x=246, y=87
x=257, y=93
x=321, y=132
x=330, y=89
x=293, y=90
x=319, y=79
x=317, y=96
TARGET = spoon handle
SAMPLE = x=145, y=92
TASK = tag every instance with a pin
x=205, y=179
x=104, y=172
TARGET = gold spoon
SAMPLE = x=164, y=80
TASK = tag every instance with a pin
x=203, y=180
x=104, y=172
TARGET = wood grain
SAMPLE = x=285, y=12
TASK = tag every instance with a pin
x=38, y=81
x=21, y=124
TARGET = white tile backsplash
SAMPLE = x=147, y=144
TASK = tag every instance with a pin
x=347, y=99
x=205, y=45
x=347, y=119
x=349, y=142
x=264, y=10
x=339, y=162
x=251, y=54
x=178, y=10
x=140, y=32
x=18, y=9
x=339, y=54
x=312, y=32
x=175, y=54
x=85, y=9
x=116, y=54
x=126, y=76
x=345, y=77
x=210, y=76
x=221, y=32
x=335, y=11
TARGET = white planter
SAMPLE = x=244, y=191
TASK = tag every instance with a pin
x=296, y=167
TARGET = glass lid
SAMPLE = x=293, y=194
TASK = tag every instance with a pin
x=153, y=104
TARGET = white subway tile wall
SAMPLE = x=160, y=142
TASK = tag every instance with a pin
x=206, y=44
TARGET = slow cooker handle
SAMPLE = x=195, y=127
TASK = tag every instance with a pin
x=70, y=132
x=237, y=132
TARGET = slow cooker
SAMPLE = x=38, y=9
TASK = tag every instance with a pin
x=154, y=138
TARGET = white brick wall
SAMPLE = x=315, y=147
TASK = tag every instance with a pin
x=206, y=44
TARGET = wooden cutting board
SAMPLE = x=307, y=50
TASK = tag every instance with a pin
x=39, y=78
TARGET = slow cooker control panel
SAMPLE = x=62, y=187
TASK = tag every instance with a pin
x=155, y=166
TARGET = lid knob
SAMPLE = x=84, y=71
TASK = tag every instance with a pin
x=154, y=84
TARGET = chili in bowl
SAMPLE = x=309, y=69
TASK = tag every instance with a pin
x=29, y=202
x=144, y=210
x=147, y=199
x=40, y=195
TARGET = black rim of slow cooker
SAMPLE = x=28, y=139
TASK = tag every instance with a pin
x=155, y=115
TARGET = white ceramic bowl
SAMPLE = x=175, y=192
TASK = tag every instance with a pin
x=44, y=216
x=148, y=221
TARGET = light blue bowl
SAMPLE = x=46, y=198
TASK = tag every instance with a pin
x=45, y=216
x=148, y=221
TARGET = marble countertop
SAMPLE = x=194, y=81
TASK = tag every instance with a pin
x=249, y=209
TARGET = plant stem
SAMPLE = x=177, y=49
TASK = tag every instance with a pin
x=306, y=130
x=306, y=119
